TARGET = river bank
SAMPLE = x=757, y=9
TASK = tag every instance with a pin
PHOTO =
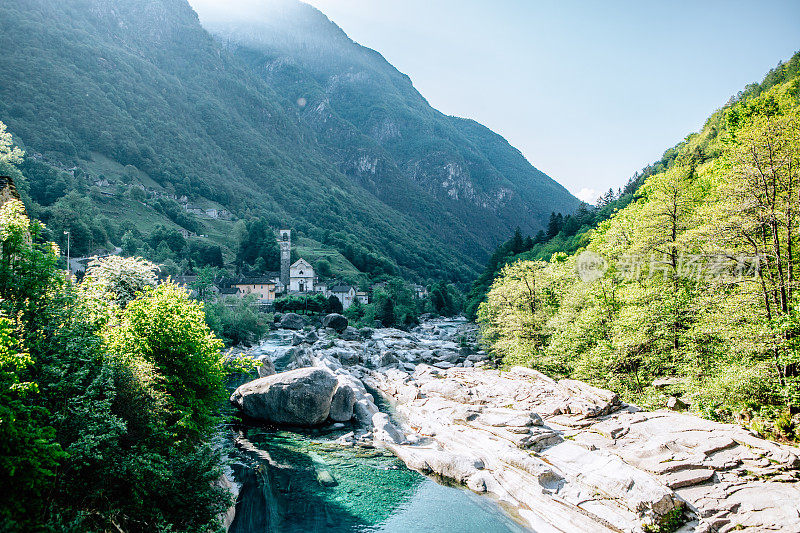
x=563, y=455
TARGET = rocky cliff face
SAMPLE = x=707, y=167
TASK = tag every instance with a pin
x=454, y=175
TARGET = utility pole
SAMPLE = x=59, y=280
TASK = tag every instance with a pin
x=69, y=267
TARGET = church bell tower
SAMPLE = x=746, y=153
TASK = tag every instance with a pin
x=285, y=243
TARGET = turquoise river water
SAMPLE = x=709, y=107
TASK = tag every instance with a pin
x=303, y=482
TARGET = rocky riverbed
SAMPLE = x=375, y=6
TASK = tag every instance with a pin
x=565, y=456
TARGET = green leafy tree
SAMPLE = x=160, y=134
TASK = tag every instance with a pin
x=236, y=320
x=120, y=280
x=164, y=333
x=257, y=240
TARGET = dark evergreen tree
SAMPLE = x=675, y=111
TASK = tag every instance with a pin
x=334, y=305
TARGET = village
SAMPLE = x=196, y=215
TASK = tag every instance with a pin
x=296, y=278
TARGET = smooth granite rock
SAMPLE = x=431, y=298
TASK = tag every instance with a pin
x=335, y=321
x=564, y=455
x=342, y=403
x=299, y=397
x=292, y=321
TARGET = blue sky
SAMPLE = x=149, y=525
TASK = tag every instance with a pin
x=589, y=91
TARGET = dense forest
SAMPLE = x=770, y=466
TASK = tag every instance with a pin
x=689, y=289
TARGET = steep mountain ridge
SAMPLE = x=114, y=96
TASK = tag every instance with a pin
x=379, y=130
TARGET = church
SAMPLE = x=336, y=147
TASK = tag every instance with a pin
x=298, y=276
x=301, y=277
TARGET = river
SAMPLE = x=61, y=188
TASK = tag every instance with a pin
x=302, y=481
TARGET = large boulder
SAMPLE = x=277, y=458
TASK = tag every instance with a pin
x=292, y=321
x=299, y=397
x=335, y=321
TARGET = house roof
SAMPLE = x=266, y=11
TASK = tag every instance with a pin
x=254, y=281
x=301, y=262
x=228, y=290
x=268, y=279
x=341, y=288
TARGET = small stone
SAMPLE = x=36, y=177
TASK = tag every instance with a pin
x=676, y=404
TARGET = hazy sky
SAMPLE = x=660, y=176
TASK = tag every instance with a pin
x=589, y=91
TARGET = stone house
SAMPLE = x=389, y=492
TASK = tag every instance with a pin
x=420, y=291
x=345, y=293
x=262, y=287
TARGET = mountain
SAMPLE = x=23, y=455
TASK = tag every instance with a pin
x=380, y=131
x=139, y=94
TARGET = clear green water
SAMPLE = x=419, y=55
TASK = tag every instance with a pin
x=303, y=482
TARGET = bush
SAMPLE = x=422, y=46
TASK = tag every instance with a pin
x=128, y=374
x=237, y=320
x=163, y=334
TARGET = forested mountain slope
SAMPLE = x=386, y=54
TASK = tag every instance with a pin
x=461, y=180
x=690, y=290
x=137, y=94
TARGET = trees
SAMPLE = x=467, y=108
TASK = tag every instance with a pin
x=334, y=305
x=108, y=395
x=699, y=280
x=165, y=332
x=119, y=280
x=355, y=312
x=384, y=309
x=9, y=153
x=323, y=268
x=236, y=320
x=761, y=201
x=514, y=316
x=29, y=455
x=257, y=240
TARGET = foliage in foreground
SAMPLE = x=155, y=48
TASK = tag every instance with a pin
x=698, y=281
x=108, y=396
